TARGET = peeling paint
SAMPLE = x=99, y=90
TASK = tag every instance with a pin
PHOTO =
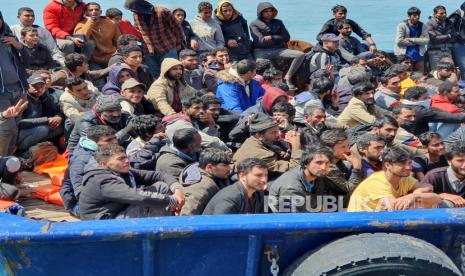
x=46, y=227
x=87, y=233
x=128, y=234
x=415, y=223
x=183, y=233
x=380, y=224
x=23, y=257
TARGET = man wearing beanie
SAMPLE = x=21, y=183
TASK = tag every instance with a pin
x=263, y=143
x=107, y=111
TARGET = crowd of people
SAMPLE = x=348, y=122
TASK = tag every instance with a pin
x=169, y=116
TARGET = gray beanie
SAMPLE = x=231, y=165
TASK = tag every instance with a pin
x=260, y=122
x=107, y=103
x=357, y=75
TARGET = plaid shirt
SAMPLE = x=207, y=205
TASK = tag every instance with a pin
x=161, y=33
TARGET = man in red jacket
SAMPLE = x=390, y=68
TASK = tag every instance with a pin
x=60, y=18
x=447, y=94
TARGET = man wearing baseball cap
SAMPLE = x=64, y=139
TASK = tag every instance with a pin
x=42, y=120
x=132, y=92
x=326, y=55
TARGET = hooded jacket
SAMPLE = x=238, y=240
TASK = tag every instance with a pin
x=457, y=19
x=143, y=155
x=106, y=193
x=74, y=107
x=209, y=34
x=161, y=92
x=234, y=29
x=199, y=187
x=61, y=20
x=442, y=103
x=274, y=28
x=16, y=58
x=171, y=161
x=113, y=86
x=231, y=91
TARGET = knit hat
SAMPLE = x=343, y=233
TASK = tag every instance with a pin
x=108, y=102
x=131, y=83
x=260, y=122
x=356, y=74
x=329, y=37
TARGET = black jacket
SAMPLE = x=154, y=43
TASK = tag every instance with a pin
x=331, y=27
x=275, y=28
x=440, y=34
x=105, y=193
x=39, y=58
x=238, y=30
x=440, y=181
x=38, y=111
x=458, y=22
x=233, y=200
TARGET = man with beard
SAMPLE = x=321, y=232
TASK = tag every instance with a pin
x=315, y=118
x=327, y=56
x=192, y=116
x=349, y=46
x=388, y=95
x=297, y=190
x=107, y=111
x=225, y=120
x=361, y=108
x=405, y=115
x=434, y=158
x=371, y=148
x=170, y=89
x=202, y=180
x=245, y=196
x=393, y=188
x=192, y=73
x=221, y=63
x=449, y=181
x=280, y=155
x=441, y=36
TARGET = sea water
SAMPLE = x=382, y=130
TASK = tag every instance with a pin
x=303, y=19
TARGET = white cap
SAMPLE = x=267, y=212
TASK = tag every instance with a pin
x=13, y=164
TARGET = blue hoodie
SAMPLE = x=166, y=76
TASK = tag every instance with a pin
x=113, y=86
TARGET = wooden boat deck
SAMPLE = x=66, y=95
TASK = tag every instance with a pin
x=39, y=209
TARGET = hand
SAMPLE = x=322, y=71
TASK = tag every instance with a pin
x=77, y=41
x=180, y=198
x=283, y=123
x=268, y=38
x=15, y=111
x=11, y=40
x=404, y=202
x=54, y=122
x=373, y=48
x=335, y=100
x=232, y=43
x=194, y=45
x=208, y=119
x=356, y=161
x=160, y=135
x=456, y=199
x=293, y=138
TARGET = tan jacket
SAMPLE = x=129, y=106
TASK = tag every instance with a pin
x=73, y=107
x=278, y=163
x=356, y=113
x=160, y=93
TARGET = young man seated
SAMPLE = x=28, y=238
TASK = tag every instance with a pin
x=132, y=92
x=132, y=57
x=371, y=148
x=124, y=25
x=38, y=56
x=202, y=180
x=85, y=150
x=297, y=190
x=111, y=189
x=245, y=196
x=434, y=157
x=393, y=188
x=150, y=137
x=449, y=181
x=42, y=119
x=183, y=150
x=284, y=114
x=123, y=40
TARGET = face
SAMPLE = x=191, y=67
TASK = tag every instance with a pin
x=214, y=110
x=445, y=73
x=441, y=15
x=406, y=115
x=210, y=60
x=340, y=149
x=453, y=95
x=346, y=30
x=190, y=63
x=117, y=19
x=281, y=117
x=403, y=76
x=179, y=15
x=83, y=68
x=205, y=14
x=394, y=84
x=107, y=139
x=37, y=90
x=222, y=57
x=317, y=119
x=368, y=97
x=436, y=147
x=118, y=163
x=26, y=18
x=134, y=95
x=414, y=18
x=388, y=132
x=267, y=14
x=31, y=38
x=195, y=111
x=339, y=15
x=93, y=12
x=81, y=91
x=256, y=179
x=374, y=151
x=400, y=169
x=319, y=166
x=111, y=116
x=134, y=59
x=249, y=75
x=227, y=11
x=458, y=165
x=362, y=63
x=220, y=170
x=270, y=136
x=331, y=46
x=48, y=79
x=175, y=73
x=123, y=76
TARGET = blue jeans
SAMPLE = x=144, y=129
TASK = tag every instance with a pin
x=32, y=136
x=459, y=57
x=154, y=61
x=8, y=128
